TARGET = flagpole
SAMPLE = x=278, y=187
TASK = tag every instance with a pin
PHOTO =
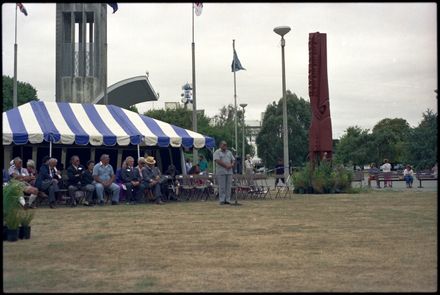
x=14, y=95
x=235, y=96
x=194, y=113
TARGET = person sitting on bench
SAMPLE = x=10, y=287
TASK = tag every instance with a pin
x=408, y=176
x=373, y=175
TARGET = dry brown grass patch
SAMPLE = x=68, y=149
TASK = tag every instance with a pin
x=365, y=242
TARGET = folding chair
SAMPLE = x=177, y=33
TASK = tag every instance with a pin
x=201, y=186
x=284, y=190
x=186, y=186
x=235, y=186
x=213, y=187
x=247, y=187
x=262, y=189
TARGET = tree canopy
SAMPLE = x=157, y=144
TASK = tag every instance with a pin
x=221, y=127
x=391, y=139
x=270, y=140
x=421, y=149
x=25, y=93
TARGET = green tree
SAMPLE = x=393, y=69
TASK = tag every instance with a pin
x=25, y=93
x=421, y=148
x=270, y=141
x=224, y=128
x=388, y=140
x=354, y=147
x=133, y=108
x=221, y=127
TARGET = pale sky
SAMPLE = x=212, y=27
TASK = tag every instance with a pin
x=382, y=57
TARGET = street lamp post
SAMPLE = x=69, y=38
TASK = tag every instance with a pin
x=243, y=105
x=283, y=31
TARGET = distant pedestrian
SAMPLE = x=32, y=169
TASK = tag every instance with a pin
x=279, y=172
x=386, y=169
x=434, y=170
x=249, y=165
x=224, y=161
x=203, y=164
x=188, y=165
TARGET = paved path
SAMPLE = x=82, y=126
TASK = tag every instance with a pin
x=428, y=186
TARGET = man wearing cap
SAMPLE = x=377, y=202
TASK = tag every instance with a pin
x=224, y=161
x=151, y=179
x=105, y=176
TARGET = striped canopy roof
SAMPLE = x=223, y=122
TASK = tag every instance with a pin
x=74, y=123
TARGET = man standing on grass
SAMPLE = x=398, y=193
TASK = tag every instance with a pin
x=224, y=161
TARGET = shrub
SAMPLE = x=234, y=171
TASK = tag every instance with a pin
x=323, y=179
x=26, y=217
x=11, y=195
x=342, y=179
x=12, y=220
x=301, y=180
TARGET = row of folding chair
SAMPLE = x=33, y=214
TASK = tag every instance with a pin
x=205, y=187
x=250, y=186
x=195, y=187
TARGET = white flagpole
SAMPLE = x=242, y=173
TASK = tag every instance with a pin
x=194, y=113
x=235, y=97
x=14, y=95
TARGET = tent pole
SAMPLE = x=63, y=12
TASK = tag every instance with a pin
x=139, y=152
x=213, y=163
x=50, y=149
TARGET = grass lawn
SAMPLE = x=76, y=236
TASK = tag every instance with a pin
x=377, y=241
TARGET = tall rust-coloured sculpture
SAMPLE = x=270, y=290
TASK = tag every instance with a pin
x=320, y=132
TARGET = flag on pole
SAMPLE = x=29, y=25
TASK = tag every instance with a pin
x=22, y=9
x=114, y=6
x=198, y=8
x=236, y=64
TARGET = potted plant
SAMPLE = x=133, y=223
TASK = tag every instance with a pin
x=11, y=204
x=26, y=217
x=12, y=221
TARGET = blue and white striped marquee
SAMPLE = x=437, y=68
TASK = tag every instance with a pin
x=82, y=124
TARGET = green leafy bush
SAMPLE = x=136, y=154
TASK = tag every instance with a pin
x=301, y=180
x=12, y=220
x=342, y=179
x=11, y=194
x=324, y=179
x=26, y=217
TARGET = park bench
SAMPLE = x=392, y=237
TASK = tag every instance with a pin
x=358, y=176
x=395, y=176
x=425, y=175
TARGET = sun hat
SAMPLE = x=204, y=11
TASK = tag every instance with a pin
x=150, y=160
